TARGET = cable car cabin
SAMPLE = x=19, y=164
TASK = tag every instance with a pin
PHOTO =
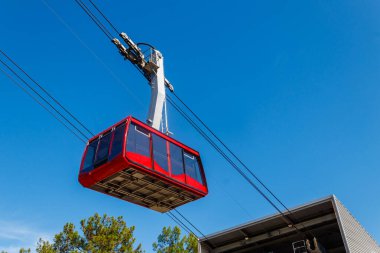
x=136, y=163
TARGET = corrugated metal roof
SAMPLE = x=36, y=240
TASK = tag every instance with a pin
x=355, y=237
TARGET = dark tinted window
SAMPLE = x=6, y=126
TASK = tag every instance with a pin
x=192, y=167
x=90, y=155
x=176, y=159
x=103, y=149
x=138, y=140
x=160, y=153
x=117, y=143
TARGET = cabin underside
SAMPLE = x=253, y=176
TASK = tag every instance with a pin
x=143, y=189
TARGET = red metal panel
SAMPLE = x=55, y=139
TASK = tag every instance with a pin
x=189, y=181
x=197, y=189
x=139, y=159
x=164, y=136
x=89, y=178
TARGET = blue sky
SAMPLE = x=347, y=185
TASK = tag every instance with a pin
x=291, y=86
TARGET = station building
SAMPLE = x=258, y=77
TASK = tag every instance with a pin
x=335, y=228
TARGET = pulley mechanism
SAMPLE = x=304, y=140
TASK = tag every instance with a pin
x=152, y=68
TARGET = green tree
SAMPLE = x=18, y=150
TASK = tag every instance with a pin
x=171, y=241
x=44, y=247
x=100, y=234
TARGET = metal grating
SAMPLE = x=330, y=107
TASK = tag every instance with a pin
x=143, y=189
x=355, y=237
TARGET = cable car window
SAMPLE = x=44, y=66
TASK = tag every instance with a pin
x=118, y=139
x=90, y=155
x=160, y=152
x=103, y=149
x=176, y=159
x=192, y=167
x=138, y=140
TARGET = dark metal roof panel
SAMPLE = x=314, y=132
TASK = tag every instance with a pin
x=271, y=222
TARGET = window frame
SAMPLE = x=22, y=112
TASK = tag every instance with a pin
x=106, y=159
x=121, y=152
x=168, y=162
x=198, y=173
x=135, y=126
x=92, y=167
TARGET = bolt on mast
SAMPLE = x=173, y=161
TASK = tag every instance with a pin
x=153, y=70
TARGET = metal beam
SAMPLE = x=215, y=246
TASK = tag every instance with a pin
x=273, y=233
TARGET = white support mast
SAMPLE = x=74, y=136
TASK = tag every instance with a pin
x=158, y=96
x=153, y=70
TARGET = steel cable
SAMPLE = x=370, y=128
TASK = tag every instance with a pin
x=105, y=17
x=94, y=18
x=208, y=139
x=47, y=93
x=45, y=100
x=41, y=104
x=232, y=153
x=289, y=218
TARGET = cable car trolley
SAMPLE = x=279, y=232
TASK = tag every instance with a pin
x=139, y=162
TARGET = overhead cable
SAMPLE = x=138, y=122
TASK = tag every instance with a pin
x=208, y=139
x=41, y=104
x=104, y=16
x=91, y=51
x=180, y=223
x=95, y=19
x=232, y=153
x=47, y=93
x=45, y=100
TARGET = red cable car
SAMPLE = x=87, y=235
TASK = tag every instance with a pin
x=135, y=162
